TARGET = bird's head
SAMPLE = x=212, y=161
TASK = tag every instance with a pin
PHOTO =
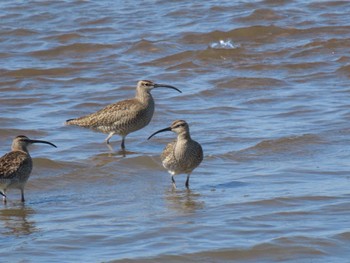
x=21, y=142
x=147, y=85
x=178, y=126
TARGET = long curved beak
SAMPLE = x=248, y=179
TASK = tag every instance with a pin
x=162, y=130
x=39, y=141
x=166, y=86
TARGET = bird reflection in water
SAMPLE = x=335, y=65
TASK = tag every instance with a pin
x=184, y=200
x=15, y=220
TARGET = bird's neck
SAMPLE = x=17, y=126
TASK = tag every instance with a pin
x=181, y=145
x=144, y=97
x=20, y=149
x=184, y=136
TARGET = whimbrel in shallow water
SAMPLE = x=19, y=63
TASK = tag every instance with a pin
x=182, y=155
x=124, y=116
x=16, y=166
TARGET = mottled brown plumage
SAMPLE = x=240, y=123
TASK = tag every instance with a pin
x=182, y=155
x=16, y=166
x=125, y=116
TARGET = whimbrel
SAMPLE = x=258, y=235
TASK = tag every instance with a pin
x=182, y=155
x=124, y=116
x=16, y=166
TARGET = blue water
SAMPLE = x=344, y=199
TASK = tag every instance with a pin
x=265, y=92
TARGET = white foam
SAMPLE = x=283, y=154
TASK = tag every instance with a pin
x=223, y=44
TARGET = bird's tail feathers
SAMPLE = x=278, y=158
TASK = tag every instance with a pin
x=70, y=122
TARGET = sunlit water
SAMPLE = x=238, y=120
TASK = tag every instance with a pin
x=265, y=90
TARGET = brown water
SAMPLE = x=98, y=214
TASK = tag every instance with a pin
x=265, y=91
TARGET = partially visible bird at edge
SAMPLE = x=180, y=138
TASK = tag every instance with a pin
x=16, y=166
x=183, y=155
x=125, y=116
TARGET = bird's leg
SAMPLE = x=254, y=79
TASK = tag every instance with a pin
x=188, y=181
x=22, y=195
x=123, y=143
x=108, y=137
x=110, y=147
x=173, y=181
x=3, y=197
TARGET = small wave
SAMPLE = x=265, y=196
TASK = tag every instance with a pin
x=174, y=58
x=343, y=236
x=231, y=184
x=291, y=201
x=9, y=134
x=21, y=32
x=242, y=33
x=185, y=66
x=35, y=72
x=250, y=83
x=64, y=37
x=76, y=48
x=294, y=244
x=222, y=109
x=344, y=70
x=100, y=21
x=286, y=142
x=20, y=101
x=51, y=164
x=4, y=55
x=261, y=15
x=296, y=146
x=224, y=44
x=198, y=57
x=144, y=46
x=262, y=252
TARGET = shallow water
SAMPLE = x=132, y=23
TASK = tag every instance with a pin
x=265, y=91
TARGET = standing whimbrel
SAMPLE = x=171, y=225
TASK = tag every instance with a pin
x=182, y=155
x=124, y=116
x=16, y=166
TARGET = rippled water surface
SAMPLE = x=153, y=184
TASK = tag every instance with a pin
x=265, y=90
